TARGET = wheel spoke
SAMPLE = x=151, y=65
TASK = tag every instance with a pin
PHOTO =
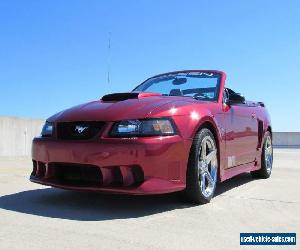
x=210, y=156
x=203, y=149
x=201, y=167
x=209, y=179
x=270, y=150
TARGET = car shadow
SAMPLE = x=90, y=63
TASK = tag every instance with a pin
x=84, y=206
x=233, y=183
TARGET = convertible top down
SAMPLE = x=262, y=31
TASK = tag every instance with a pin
x=180, y=131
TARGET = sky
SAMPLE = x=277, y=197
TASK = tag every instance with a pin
x=54, y=54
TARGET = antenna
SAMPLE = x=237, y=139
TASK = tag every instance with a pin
x=108, y=58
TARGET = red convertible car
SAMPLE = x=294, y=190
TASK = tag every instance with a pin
x=181, y=131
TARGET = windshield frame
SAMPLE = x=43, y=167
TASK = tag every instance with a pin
x=219, y=85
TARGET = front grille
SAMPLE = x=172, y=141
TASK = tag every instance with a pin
x=84, y=130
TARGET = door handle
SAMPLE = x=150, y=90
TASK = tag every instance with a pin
x=253, y=115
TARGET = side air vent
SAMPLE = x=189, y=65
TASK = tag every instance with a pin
x=260, y=133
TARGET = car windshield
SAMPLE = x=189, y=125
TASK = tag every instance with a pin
x=199, y=85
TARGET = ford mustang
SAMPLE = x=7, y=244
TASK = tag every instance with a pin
x=180, y=131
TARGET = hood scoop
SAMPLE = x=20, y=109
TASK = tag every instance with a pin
x=116, y=97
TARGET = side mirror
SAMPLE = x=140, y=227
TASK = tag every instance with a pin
x=235, y=98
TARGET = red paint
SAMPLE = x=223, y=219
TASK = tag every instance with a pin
x=148, y=94
x=235, y=128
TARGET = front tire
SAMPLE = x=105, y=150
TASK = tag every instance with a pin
x=202, y=169
x=266, y=159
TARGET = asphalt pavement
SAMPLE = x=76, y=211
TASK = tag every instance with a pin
x=39, y=217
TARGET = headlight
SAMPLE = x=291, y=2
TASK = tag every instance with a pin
x=47, y=130
x=148, y=127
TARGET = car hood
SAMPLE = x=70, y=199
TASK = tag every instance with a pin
x=132, y=108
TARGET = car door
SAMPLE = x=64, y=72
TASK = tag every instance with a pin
x=241, y=134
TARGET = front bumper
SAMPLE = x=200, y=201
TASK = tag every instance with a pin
x=150, y=165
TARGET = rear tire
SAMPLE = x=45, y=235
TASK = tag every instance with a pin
x=202, y=169
x=266, y=159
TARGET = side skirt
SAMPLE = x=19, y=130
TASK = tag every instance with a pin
x=230, y=172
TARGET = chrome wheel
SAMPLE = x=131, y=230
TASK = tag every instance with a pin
x=207, y=166
x=268, y=154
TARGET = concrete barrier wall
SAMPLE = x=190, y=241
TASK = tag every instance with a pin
x=16, y=135
x=286, y=139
